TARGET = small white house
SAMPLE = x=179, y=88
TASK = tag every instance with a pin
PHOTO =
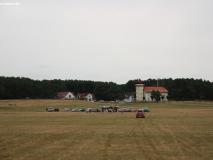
x=89, y=97
x=86, y=96
x=65, y=95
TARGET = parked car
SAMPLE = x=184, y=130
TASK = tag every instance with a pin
x=74, y=110
x=140, y=114
x=82, y=110
x=146, y=109
x=95, y=110
x=89, y=110
x=124, y=110
x=134, y=110
x=67, y=109
x=52, y=109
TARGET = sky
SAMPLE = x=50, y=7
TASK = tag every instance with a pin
x=113, y=40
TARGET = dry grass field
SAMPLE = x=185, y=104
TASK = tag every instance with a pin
x=171, y=131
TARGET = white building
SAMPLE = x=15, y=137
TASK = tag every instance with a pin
x=89, y=97
x=129, y=97
x=65, y=95
x=86, y=96
x=144, y=93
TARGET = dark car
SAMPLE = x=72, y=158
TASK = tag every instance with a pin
x=82, y=110
x=140, y=114
x=146, y=109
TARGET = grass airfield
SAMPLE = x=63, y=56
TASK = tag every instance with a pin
x=171, y=131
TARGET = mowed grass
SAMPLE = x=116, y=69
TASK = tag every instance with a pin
x=174, y=130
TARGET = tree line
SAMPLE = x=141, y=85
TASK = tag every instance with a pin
x=179, y=89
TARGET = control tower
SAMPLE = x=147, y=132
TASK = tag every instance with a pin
x=139, y=92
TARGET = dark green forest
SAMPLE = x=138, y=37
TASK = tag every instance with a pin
x=179, y=89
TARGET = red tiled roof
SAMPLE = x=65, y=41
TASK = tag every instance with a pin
x=160, y=89
x=83, y=95
x=62, y=94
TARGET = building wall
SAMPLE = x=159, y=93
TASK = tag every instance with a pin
x=139, y=92
x=164, y=95
x=89, y=97
x=69, y=96
x=147, y=96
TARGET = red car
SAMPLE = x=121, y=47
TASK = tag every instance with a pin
x=140, y=114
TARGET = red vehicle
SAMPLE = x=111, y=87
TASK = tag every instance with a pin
x=140, y=114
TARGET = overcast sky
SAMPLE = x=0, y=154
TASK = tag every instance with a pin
x=106, y=40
